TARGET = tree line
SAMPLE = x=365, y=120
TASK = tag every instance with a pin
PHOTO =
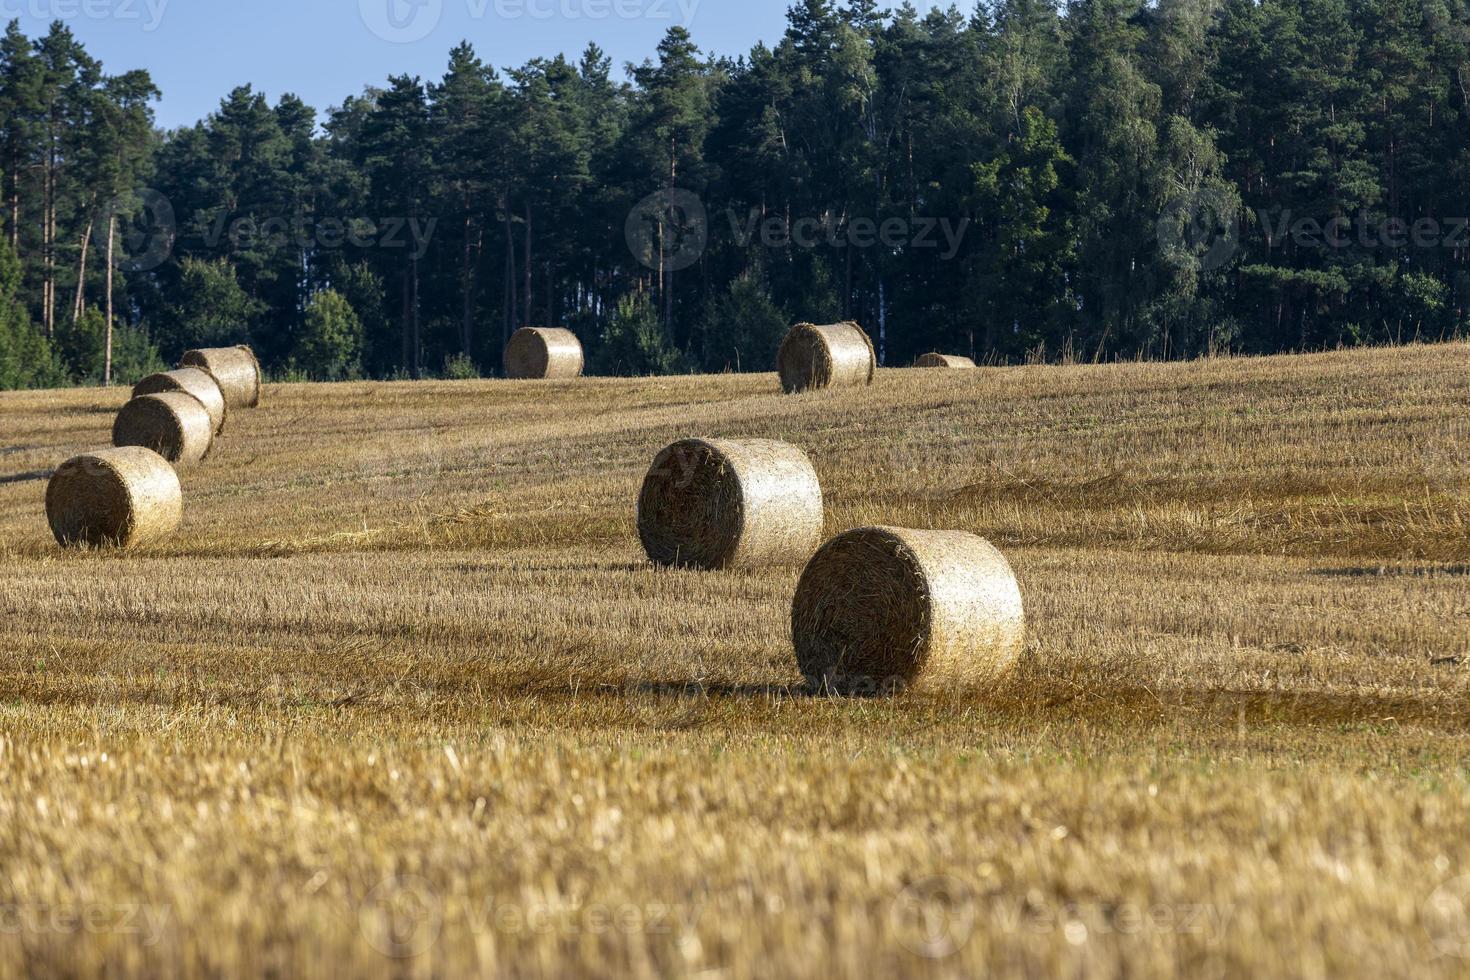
x=1108, y=179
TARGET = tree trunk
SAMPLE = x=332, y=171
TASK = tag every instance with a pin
x=406, y=325
x=418, y=340
x=528, y=272
x=46, y=192
x=847, y=287
x=663, y=249
x=668, y=298
x=49, y=263
x=15, y=201
x=666, y=276
x=77, y=302
x=466, y=327
x=477, y=262
x=510, y=280
x=107, y=357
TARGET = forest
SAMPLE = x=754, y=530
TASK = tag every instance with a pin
x=1023, y=182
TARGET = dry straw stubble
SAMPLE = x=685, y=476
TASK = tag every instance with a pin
x=543, y=352
x=196, y=382
x=956, y=361
x=235, y=369
x=174, y=424
x=719, y=503
x=879, y=608
x=837, y=354
x=114, y=498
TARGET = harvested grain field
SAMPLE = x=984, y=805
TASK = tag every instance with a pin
x=403, y=696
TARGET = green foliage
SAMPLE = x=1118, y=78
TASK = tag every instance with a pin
x=1029, y=160
x=1032, y=246
x=636, y=343
x=742, y=329
x=134, y=355
x=211, y=309
x=83, y=347
x=460, y=368
x=26, y=359
x=362, y=288
x=1423, y=298
x=329, y=347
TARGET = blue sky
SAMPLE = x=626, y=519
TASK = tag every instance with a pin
x=324, y=50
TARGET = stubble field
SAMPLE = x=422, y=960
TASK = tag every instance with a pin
x=404, y=698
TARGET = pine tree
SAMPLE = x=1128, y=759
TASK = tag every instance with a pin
x=462, y=116
x=670, y=123
x=1030, y=260
x=1113, y=116
x=398, y=168
x=20, y=125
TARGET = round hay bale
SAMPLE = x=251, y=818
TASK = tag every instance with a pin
x=945, y=361
x=235, y=369
x=878, y=607
x=193, y=381
x=115, y=498
x=543, y=352
x=174, y=424
x=718, y=503
x=818, y=357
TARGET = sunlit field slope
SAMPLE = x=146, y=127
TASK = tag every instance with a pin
x=404, y=698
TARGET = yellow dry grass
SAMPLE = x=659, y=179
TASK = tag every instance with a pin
x=404, y=698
